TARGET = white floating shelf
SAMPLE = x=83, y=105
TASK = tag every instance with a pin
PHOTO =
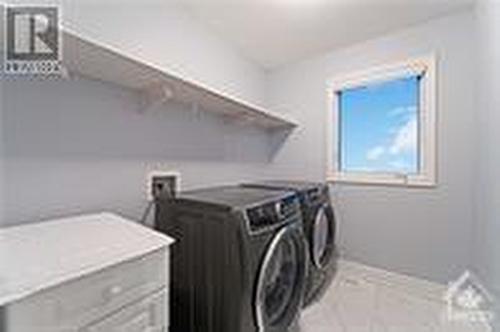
x=95, y=61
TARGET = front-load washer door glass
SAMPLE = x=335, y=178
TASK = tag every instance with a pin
x=323, y=236
x=281, y=280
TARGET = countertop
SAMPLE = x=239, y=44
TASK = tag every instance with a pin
x=38, y=256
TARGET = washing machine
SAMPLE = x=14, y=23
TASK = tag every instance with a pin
x=320, y=229
x=240, y=260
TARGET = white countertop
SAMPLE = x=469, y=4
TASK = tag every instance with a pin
x=35, y=257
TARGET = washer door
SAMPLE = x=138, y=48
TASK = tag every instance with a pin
x=323, y=236
x=281, y=280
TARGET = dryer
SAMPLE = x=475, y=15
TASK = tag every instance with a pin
x=240, y=260
x=320, y=229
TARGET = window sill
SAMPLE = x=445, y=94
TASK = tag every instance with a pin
x=391, y=180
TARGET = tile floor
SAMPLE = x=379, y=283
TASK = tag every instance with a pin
x=364, y=299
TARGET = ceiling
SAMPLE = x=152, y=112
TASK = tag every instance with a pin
x=273, y=33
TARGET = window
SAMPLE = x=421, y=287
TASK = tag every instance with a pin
x=383, y=125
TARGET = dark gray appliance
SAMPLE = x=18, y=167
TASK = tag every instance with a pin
x=320, y=229
x=240, y=260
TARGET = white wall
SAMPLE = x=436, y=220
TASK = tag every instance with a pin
x=423, y=232
x=487, y=260
x=2, y=139
x=81, y=146
x=168, y=37
x=164, y=34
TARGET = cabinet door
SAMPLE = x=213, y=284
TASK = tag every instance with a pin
x=90, y=298
x=145, y=316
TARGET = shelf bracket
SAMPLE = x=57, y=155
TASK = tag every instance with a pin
x=154, y=95
x=195, y=110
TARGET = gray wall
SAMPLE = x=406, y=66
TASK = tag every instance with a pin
x=487, y=258
x=2, y=139
x=166, y=35
x=81, y=146
x=423, y=232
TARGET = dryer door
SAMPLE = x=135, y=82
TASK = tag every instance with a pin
x=281, y=280
x=323, y=236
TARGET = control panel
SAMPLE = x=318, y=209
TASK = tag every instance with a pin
x=273, y=213
x=288, y=207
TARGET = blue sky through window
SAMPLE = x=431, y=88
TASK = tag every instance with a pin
x=378, y=127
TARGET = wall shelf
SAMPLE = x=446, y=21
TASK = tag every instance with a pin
x=90, y=59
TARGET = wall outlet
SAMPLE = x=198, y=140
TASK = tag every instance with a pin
x=162, y=184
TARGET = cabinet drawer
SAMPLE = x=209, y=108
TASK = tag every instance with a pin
x=145, y=316
x=79, y=302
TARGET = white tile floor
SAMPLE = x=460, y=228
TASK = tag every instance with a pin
x=364, y=299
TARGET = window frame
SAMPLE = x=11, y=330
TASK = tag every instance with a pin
x=426, y=67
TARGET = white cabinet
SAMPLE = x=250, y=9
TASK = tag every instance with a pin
x=123, y=288
x=91, y=298
x=147, y=315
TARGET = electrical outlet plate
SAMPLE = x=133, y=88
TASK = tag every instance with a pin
x=154, y=174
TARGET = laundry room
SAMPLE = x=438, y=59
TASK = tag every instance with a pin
x=249, y=165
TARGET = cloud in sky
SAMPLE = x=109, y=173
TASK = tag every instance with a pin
x=404, y=141
x=406, y=138
x=404, y=110
x=375, y=153
x=380, y=126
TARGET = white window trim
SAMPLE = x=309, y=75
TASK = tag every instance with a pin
x=427, y=177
